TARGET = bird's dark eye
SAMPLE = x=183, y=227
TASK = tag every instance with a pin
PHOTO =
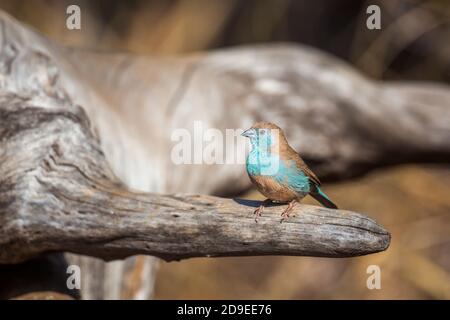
x=262, y=131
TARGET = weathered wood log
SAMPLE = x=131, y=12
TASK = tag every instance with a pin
x=58, y=194
x=343, y=123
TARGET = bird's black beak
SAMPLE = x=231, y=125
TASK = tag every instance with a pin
x=249, y=133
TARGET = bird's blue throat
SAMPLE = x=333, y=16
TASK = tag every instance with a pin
x=261, y=160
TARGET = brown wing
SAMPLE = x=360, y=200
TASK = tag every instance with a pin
x=290, y=154
x=311, y=175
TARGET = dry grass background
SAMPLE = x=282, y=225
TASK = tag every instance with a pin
x=412, y=201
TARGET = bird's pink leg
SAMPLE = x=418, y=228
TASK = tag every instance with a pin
x=285, y=214
x=258, y=212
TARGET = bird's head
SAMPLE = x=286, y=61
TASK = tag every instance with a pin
x=264, y=135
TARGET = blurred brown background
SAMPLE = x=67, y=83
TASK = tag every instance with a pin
x=412, y=202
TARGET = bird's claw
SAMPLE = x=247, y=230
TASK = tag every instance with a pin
x=258, y=213
x=285, y=217
x=286, y=213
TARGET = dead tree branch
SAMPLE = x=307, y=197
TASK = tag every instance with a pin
x=59, y=194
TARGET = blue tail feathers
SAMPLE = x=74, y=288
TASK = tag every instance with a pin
x=320, y=196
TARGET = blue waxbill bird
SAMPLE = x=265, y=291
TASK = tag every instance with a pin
x=278, y=171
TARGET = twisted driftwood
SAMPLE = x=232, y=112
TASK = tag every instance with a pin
x=72, y=121
x=58, y=194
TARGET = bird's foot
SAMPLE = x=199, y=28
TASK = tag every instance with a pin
x=258, y=213
x=286, y=213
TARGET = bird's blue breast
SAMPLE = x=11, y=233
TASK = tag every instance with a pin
x=284, y=172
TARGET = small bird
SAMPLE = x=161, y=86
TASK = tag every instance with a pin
x=278, y=171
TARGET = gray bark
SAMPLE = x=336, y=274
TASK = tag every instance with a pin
x=79, y=125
